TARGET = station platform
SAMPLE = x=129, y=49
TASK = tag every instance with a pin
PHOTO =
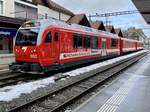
x=5, y=60
x=130, y=92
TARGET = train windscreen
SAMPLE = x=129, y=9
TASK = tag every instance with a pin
x=27, y=37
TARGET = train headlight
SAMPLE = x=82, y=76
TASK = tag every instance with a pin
x=16, y=50
x=33, y=51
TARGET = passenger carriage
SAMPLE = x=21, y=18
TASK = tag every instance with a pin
x=128, y=45
x=139, y=45
x=45, y=45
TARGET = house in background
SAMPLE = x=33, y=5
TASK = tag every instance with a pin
x=110, y=29
x=80, y=19
x=98, y=25
x=119, y=32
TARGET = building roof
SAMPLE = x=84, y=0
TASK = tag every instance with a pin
x=119, y=32
x=80, y=19
x=10, y=22
x=144, y=7
x=29, y=2
x=98, y=25
x=110, y=29
x=52, y=5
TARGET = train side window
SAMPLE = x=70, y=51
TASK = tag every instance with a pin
x=114, y=42
x=56, y=36
x=94, y=42
x=86, y=41
x=77, y=41
x=48, y=37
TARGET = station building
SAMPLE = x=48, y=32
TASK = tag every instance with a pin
x=8, y=29
x=13, y=13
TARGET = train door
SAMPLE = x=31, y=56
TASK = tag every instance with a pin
x=121, y=46
x=51, y=47
x=136, y=45
x=104, y=52
x=47, y=48
x=56, y=49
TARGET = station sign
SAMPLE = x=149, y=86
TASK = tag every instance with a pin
x=8, y=32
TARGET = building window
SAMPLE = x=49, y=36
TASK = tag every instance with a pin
x=114, y=42
x=77, y=41
x=1, y=7
x=94, y=42
x=86, y=41
x=25, y=10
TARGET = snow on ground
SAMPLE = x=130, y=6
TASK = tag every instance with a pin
x=10, y=92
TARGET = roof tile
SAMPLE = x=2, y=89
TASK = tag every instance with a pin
x=98, y=25
x=80, y=19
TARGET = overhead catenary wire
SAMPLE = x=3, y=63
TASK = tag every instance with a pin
x=106, y=15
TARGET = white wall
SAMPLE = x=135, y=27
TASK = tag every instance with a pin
x=9, y=7
x=65, y=17
x=51, y=13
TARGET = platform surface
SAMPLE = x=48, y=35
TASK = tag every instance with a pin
x=130, y=92
x=5, y=60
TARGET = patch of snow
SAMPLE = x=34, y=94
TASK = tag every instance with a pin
x=10, y=92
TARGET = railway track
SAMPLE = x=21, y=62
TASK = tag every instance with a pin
x=11, y=78
x=57, y=99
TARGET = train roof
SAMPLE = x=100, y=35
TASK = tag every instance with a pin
x=43, y=23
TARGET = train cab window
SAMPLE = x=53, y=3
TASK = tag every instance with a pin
x=77, y=41
x=56, y=36
x=48, y=37
x=94, y=42
x=114, y=42
x=86, y=41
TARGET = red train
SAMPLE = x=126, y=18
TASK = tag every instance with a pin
x=45, y=45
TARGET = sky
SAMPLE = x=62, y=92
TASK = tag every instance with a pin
x=108, y=6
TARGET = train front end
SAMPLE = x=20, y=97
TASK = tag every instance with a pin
x=26, y=48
